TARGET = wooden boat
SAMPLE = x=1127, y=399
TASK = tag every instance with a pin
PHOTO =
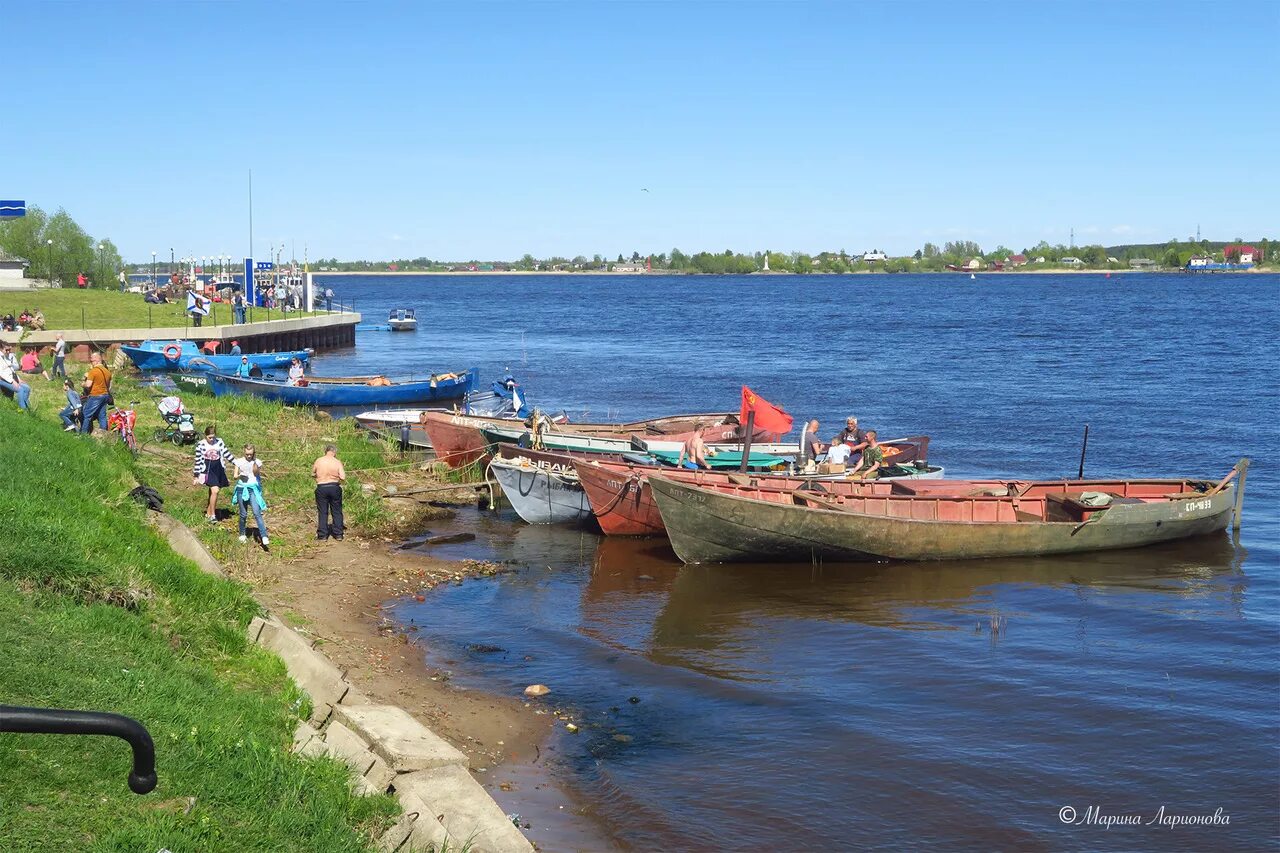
x=458, y=439
x=541, y=493
x=402, y=320
x=152, y=356
x=713, y=523
x=623, y=502
x=346, y=391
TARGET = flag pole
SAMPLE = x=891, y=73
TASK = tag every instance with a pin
x=746, y=440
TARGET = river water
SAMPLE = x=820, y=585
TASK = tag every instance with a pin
x=967, y=704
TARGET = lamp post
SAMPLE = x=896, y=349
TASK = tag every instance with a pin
x=153, y=270
x=50, y=244
x=101, y=280
x=170, y=260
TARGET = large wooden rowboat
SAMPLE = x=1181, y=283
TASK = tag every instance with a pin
x=623, y=503
x=729, y=523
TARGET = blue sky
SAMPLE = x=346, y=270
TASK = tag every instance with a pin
x=486, y=130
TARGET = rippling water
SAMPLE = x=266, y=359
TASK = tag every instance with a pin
x=793, y=707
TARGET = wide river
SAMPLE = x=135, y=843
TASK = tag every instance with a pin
x=842, y=707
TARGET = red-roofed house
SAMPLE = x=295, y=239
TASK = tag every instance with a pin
x=1247, y=254
x=1015, y=260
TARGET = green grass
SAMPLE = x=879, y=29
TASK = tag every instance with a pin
x=106, y=309
x=96, y=612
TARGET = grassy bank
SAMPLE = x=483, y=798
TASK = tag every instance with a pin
x=96, y=612
x=107, y=309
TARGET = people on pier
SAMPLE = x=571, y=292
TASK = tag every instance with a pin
x=694, y=450
x=329, y=474
x=212, y=457
x=247, y=496
x=872, y=459
x=238, y=308
x=97, y=390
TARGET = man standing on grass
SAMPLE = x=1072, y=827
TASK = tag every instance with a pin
x=330, y=475
x=60, y=356
x=97, y=390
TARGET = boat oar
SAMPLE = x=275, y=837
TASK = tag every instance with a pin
x=823, y=502
x=1222, y=484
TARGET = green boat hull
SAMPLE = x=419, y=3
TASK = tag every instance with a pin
x=707, y=526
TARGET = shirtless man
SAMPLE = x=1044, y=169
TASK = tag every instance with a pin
x=694, y=449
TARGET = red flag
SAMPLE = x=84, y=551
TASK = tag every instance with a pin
x=768, y=416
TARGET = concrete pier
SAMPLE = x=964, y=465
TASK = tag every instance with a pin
x=329, y=331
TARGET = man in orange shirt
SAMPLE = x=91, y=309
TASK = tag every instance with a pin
x=97, y=390
x=330, y=475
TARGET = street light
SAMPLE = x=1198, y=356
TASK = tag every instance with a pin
x=153, y=270
x=101, y=280
x=50, y=242
x=170, y=260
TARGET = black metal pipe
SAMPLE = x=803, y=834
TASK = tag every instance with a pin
x=57, y=721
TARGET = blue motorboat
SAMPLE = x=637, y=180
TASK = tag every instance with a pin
x=185, y=355
x=337, y=392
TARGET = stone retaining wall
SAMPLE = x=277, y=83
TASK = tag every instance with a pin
x=385, y=747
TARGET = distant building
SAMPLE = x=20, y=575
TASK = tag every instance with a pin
x=12, y=267
x=628, y=268
x=1040, y=260
x=1199, y=261
x=1142, y=264
x=876, y=255
x=1111, y=260
x=1015, y=261
x=1072, y=262
x=1248, y=254
x=972, y=264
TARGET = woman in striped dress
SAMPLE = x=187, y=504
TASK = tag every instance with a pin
x=212, y=457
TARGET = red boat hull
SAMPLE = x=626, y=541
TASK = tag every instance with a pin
x=456, y=439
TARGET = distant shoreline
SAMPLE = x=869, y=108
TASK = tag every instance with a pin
x=961, y=273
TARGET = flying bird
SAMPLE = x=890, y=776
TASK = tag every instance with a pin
x=645, y=190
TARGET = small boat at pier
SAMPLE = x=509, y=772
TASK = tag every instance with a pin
x=154, y=356
x=541, y=491
x=337, y=392
x=402, y=320
x=728, y=522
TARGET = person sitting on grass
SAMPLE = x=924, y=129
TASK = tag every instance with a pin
x=209, y=470
x=37, y=320
x=71, y=412
x=248, y=492
x=872, y=459
x=31, y=364
x=12, y=385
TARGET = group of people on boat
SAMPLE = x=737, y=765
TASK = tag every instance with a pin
x=853, y=447
x=26, y=320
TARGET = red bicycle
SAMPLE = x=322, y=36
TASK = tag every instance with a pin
x=123, y=420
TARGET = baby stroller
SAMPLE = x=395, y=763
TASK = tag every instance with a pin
x=180, y=425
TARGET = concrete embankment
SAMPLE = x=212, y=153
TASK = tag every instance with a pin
x=328, y=331
x=386, y=749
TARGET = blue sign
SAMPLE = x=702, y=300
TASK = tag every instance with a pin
x=12, y=209
x=263, y=265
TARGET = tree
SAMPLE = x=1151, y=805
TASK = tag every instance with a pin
x=918, y=255
x=620, y=257
x=929, y=251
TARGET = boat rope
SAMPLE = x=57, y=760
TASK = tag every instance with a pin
x=622, y=493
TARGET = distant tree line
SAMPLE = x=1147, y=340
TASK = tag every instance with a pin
x=929, y=258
